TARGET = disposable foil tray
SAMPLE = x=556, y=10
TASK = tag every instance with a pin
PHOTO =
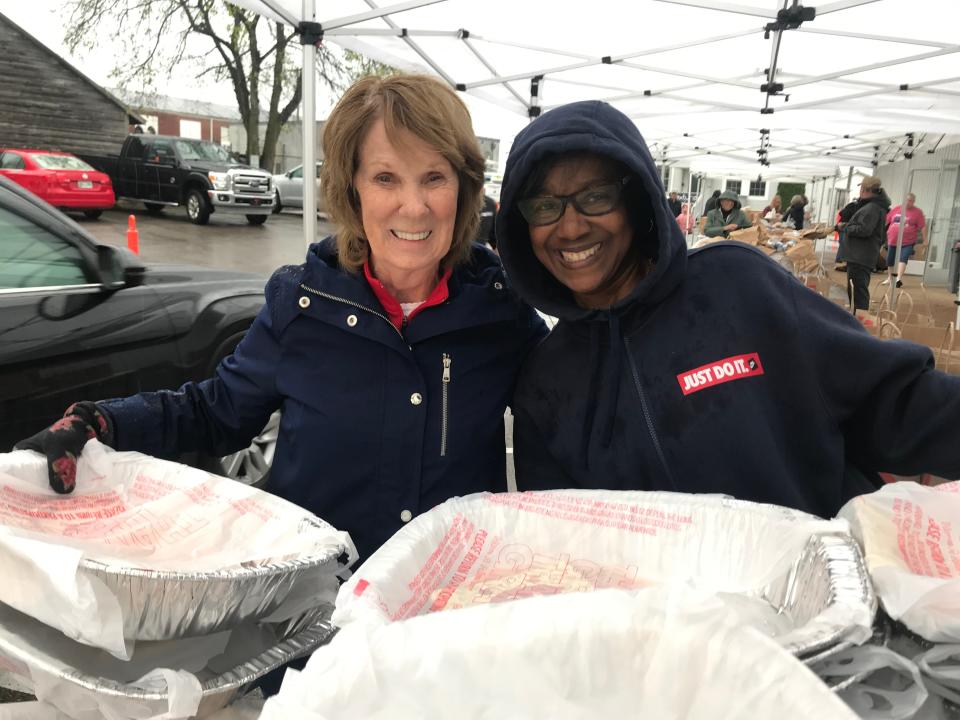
x=799, y=579
x=161, y=550
x=90, y=677
x=829, y=572
x=161, y=605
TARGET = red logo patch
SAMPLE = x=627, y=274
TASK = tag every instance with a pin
x=721, y=371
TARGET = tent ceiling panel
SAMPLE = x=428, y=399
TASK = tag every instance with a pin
x=842, y=71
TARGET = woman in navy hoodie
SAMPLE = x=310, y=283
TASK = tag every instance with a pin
x=709, y=372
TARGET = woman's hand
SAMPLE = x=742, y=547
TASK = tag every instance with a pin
x=63, y=442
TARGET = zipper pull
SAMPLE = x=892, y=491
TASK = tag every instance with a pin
x=446, y=367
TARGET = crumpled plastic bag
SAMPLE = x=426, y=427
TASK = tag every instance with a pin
x=162, y=681
x=612, y=653
x=876, y=682
x=488, y=548
x=940, y=667
x=247, y=707
x=910, y=535
x=133, y=511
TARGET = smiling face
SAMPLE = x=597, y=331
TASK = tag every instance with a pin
x=408, y=207
x=593, y=256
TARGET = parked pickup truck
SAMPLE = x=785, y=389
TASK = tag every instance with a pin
x=163, y=171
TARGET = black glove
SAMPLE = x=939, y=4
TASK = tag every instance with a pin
x=63, y=442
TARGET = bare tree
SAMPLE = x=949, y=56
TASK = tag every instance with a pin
x=260, y=58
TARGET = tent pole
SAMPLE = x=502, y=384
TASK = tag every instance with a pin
x=903, y=219
x=309, y=131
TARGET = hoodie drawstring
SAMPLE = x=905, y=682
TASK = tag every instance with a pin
x=593, y=362
x=614, y=362
x=613, y=379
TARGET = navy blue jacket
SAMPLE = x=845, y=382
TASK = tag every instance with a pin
x=369, y=429
x=720, y=373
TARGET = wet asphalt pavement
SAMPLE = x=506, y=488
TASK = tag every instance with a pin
x=228, y=241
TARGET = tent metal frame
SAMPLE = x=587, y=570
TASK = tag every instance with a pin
x=775, y=85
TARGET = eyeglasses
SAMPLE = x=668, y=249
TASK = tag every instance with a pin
x=596, y=200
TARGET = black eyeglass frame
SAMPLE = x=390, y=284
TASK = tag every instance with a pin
x=527, y=211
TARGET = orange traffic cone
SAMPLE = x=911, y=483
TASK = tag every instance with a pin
x=133, y=237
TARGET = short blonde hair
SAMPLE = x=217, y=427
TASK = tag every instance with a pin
x=797, y=200
x=423, y=106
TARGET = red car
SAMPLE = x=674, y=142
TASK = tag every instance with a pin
x=63, y=180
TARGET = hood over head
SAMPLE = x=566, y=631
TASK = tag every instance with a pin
x=594, y=127
x=730, y=195
x=598, y=128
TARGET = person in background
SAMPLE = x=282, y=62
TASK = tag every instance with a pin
x=711, y=202
x=674, y=204
x=843, y=217
x=685, y=219
x=913, y=226
x=358, y=345
x=794, y=214
x=704, y=371
x=486, y=232
x=772, y=211
x=863, y=236
x=727, y=217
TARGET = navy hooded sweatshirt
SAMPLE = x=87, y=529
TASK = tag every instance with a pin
x=719, y=373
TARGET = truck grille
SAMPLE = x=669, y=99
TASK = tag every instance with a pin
x=252, y=184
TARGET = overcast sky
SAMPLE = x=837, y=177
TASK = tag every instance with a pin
x=47, y=20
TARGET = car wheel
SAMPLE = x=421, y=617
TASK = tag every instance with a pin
x=251, y=466
x=277, y=205
x=257, y=219
x=92, y=214
x=198, y=209
x=154, y=208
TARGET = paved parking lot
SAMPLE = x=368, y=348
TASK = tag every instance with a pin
x=226, y=242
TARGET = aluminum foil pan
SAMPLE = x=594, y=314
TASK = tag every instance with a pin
x=161, y=605
x=800, y=579
x=829, y=571
x=38, y=648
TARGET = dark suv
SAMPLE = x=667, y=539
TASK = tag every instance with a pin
x=84, y=321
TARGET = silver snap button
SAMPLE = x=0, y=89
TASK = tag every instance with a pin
x=416, y=399
x=351, y=320
x=304, y=302
x=498, y=285
x=406, y=516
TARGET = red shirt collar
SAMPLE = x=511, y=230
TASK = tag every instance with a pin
x=438, y=295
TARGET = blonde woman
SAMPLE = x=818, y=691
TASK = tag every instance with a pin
x=392, y=351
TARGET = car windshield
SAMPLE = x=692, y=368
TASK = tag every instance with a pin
x=60, y=162
x=200, y=150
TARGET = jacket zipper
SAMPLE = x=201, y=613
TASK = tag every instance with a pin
x=447, y=362
x=646, y=414
x=357, y=305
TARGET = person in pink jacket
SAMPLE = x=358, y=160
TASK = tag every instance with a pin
x=685, y=219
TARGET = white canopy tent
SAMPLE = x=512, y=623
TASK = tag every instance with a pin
x=714, y=86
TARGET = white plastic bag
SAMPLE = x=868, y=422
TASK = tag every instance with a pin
x=133, y=511
x=940, y=667
x=30, y=711
x=487, y=548
x=910, y=535
x=876, y=682
x=610, y=653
